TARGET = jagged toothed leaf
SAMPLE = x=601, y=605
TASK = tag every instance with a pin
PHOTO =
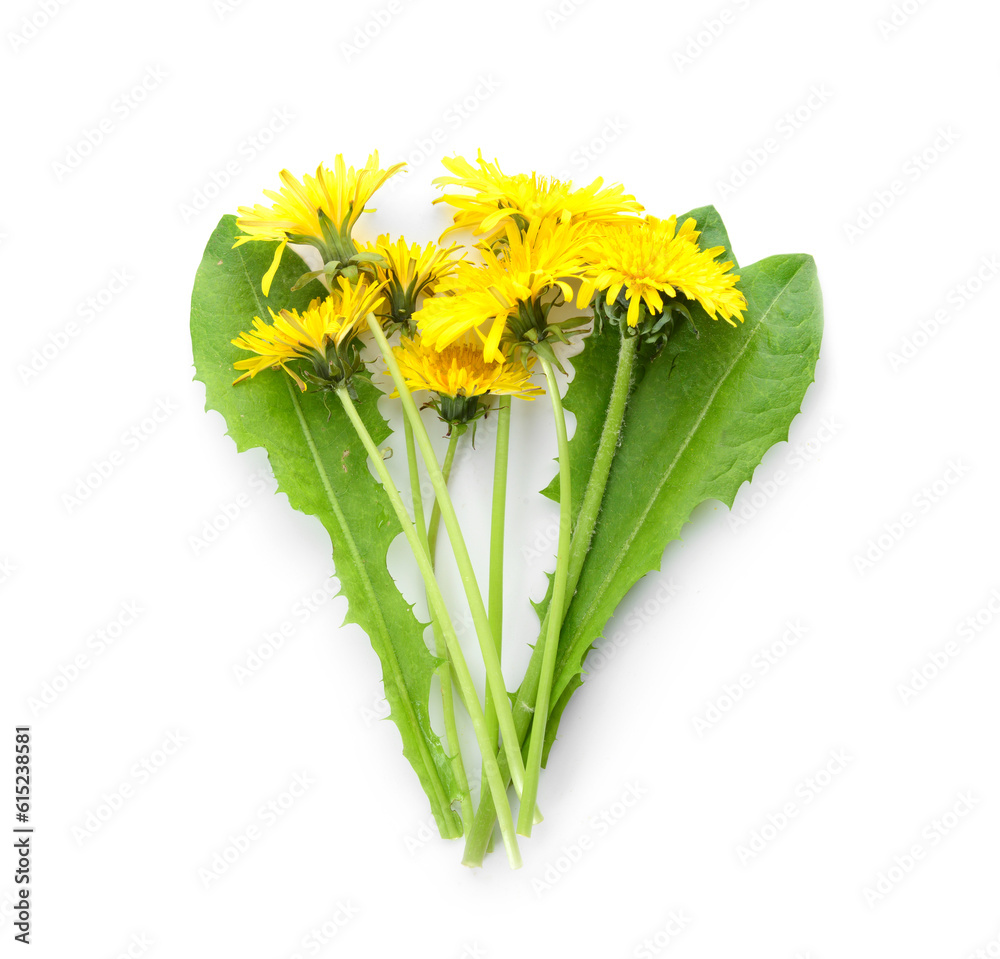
x=320, y=464
x=699, y=420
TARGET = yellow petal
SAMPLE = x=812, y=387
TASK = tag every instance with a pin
x=633, y=310
x=490, y=351
x=586, y=292
x=265, y=283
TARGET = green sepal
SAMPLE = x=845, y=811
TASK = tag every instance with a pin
x=370, y=259
x=307, y=278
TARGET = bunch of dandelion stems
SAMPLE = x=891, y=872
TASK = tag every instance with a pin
x=534, y=697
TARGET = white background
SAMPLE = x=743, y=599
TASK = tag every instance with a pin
x=599, y=89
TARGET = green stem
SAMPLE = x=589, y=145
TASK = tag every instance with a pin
x=494, y=676
x=415, y=493
x=382, y=640
x=586, y=520
x=482, y=829
x=499, y=513
x=478, y=840
x=439, y=611
x=533, y=766
x=452, y=744
x=449, y=458
x=498, y=518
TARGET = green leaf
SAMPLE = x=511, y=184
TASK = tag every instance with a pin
x=321, y=465
x=594, y=370
x=713, y=231
x=700, y=418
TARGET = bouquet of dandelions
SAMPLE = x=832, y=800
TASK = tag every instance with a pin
x=671, y=409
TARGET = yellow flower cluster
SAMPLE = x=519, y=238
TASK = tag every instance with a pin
x=525, y=199
x=650, y=258
x=321, y=333
x=461, y=370
x=472, y=327
x=487, y=299
x=320, y=211
x=540, y=234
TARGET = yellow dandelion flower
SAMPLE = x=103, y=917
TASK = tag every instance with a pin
x=411, y=270
x=652, y=258
x=460, y=370
x=325, y=323
x=526, y=199
x=320, y=211
x=504, y=293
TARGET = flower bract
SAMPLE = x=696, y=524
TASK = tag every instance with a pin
x=411, y=271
